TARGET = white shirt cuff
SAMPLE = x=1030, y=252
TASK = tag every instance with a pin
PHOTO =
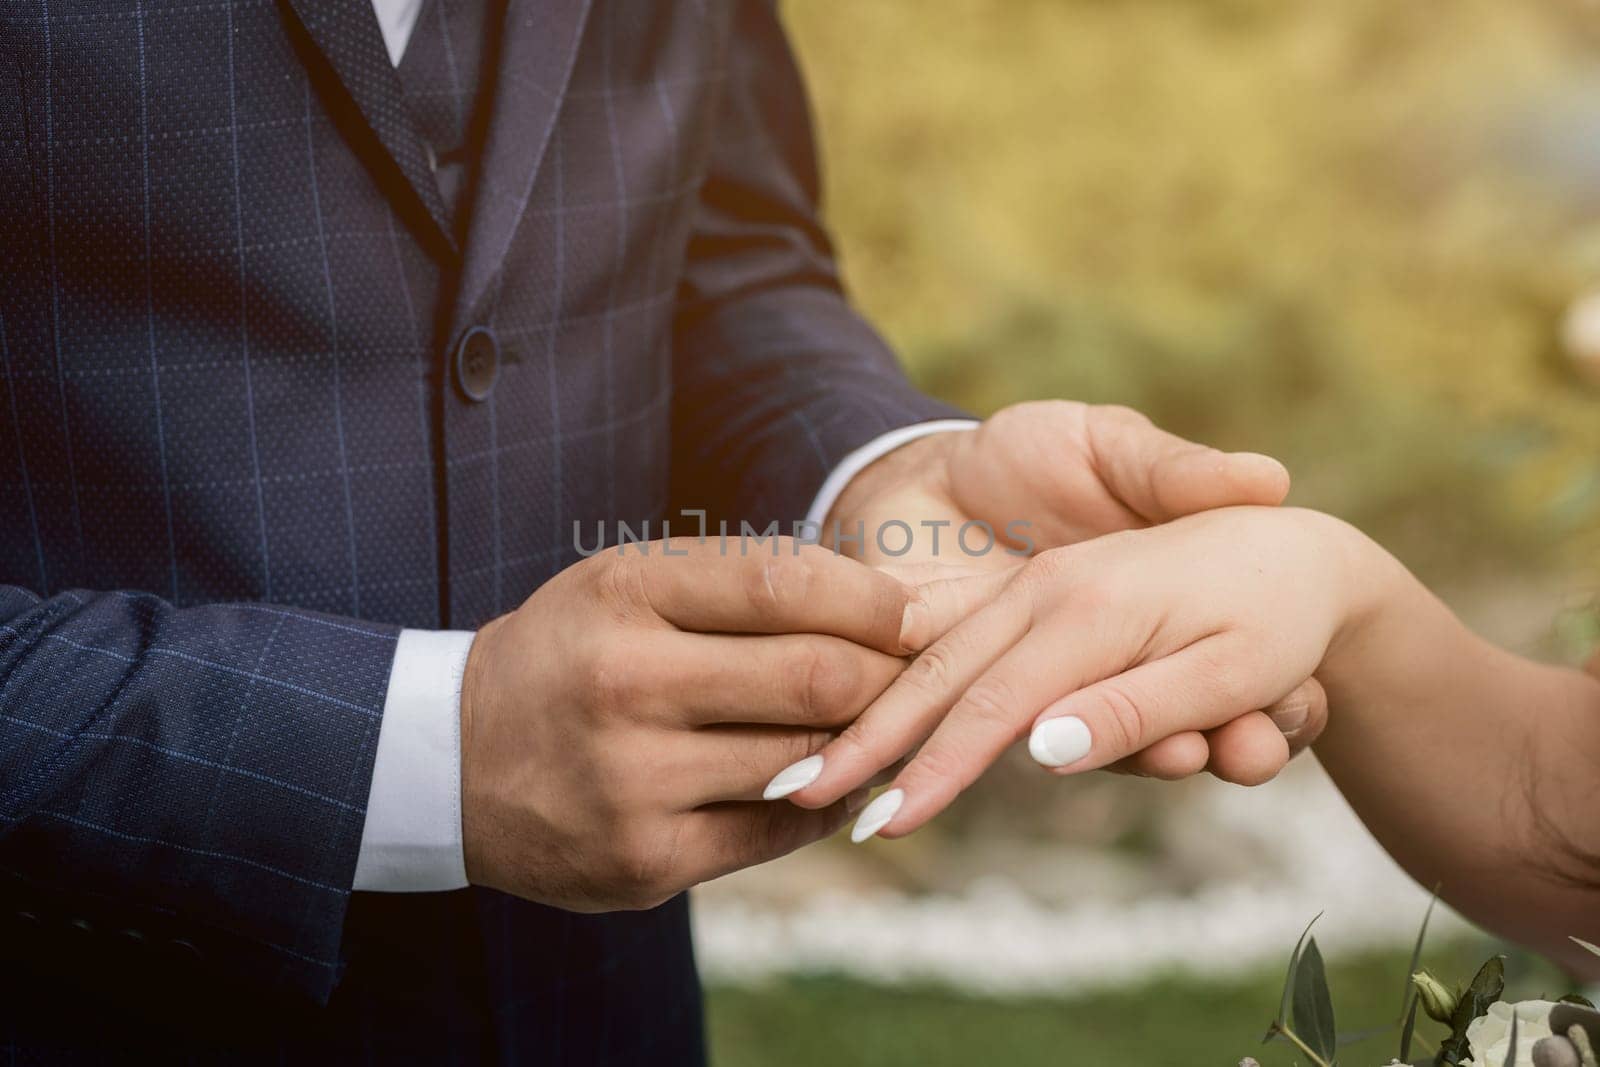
x=865, y=456
x=411, y=842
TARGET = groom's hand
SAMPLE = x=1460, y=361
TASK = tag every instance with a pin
x=1058, y=473
x=618, y=728
x=1055, y=472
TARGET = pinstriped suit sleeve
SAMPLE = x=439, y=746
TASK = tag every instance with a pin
x=197, y=776
x=776, y=379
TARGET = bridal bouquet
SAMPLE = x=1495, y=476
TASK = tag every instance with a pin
x=1485, y=1030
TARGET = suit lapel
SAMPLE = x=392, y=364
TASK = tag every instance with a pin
x=536, y=60
x=347, y=34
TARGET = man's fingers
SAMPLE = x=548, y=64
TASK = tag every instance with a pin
x=1200, y=479
x=1248, y=750
x=942, y=604
x=925, y=571
x=1183, y=755
x=767, y=587
x=1301, y=716
x=805, y=680
x=723, y=838
x=910, y=709
x=726, y=763
x=1162, y=476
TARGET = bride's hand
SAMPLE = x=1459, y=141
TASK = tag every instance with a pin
x=1244, y=751
x=1100, y=650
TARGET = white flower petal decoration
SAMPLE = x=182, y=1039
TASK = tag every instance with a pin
x=1490, y=1035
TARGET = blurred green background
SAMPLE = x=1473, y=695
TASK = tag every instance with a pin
x=1174, y=1021
x=1344, y=234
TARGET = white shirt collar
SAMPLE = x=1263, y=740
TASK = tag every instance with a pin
x=397, y=18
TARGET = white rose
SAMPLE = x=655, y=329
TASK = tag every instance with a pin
x=1489, y=1035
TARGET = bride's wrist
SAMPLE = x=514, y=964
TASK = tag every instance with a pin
x=1370, y=583
x=1378, y=596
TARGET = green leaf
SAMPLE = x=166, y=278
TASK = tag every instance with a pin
x=1313, y=1005
x=1578, y=999
x=1406, y=1030
x=1486, y=987
x=1288, y=984
x=1511, y=1049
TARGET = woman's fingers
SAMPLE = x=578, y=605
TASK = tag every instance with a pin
x=1093, y=727
x=996, y=671
x=1183, y=755
x=1199, y=687
x=990, y=716
x=912, y=706
x=943, y=603
x=1249, y=750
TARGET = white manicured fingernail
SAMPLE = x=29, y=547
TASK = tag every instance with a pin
x=793, y=778
x=877, y=815
x=1058, y=742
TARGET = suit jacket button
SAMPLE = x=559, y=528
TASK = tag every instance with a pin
x=477, y=363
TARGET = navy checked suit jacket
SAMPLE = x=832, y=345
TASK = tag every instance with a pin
x=236, y=457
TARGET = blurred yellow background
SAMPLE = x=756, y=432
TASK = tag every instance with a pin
x=1344, y=234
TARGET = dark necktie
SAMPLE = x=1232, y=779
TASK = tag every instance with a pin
x=441, y=71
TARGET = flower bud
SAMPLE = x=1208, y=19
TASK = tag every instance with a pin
x=1438, y=1000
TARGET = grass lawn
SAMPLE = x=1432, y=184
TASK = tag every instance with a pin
x=1181, y=1020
